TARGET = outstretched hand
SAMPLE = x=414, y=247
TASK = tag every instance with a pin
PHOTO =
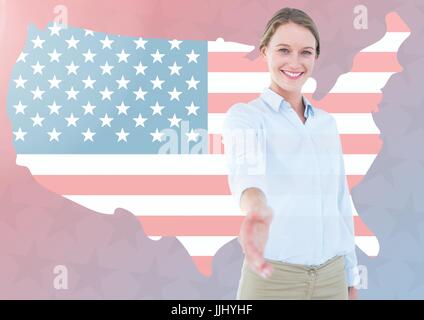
x=253, y=237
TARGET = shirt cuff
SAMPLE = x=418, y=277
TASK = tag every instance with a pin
x=352, y=276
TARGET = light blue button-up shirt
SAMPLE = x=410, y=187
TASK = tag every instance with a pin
x=300, y=168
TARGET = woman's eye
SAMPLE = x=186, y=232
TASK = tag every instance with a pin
x=307, y=52
x=284, y=50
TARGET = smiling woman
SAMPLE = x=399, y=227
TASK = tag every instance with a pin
x=297, y=235
x=290, y=45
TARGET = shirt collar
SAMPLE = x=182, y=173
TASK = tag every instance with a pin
x=275, y=101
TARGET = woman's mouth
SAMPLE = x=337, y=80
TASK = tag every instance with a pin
x=292, y=75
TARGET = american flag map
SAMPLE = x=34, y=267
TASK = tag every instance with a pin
x=111, y=122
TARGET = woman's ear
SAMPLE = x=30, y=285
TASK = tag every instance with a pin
x=264, y=53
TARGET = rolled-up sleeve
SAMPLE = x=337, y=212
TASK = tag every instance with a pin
x=245, y=150
x=346, y=211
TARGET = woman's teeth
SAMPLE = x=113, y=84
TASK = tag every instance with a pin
x=292, y=75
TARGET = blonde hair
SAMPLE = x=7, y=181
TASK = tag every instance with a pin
x=287, y=15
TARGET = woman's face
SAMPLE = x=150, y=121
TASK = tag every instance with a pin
x=290, y=56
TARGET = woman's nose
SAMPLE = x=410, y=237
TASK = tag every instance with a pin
x=293, y=60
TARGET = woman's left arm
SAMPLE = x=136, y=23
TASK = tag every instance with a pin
x=345, y=207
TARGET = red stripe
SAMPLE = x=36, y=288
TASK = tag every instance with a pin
x=203, y=264
x=332, y=102
x=353, y=181
x=209, y=225
x=363, y=62
x=137, y=185
x=376, y=62
x=348, y=102
x=361, y=228
x=144, y=185
x=361, y=143
x=191, y=225
x=351, y=143
x=234, y=62
x=395, y=23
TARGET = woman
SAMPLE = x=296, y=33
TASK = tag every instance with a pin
x=286, y=172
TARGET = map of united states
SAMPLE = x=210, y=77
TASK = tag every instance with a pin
x=135, y=123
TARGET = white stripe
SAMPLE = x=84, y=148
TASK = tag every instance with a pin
x=223, y=46
x=255, y=82
x=165, y=205
x=368, y=244
x=155, y=238
x=167, y=164
x=128, y=164
x=158, y=205
x=347, y=123
x=358, y=164
x=361, y=82
x=204, y=245
x=355, y=123
x=390, y=42
x=209, y=245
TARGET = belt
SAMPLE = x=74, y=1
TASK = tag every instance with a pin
x=308, y=267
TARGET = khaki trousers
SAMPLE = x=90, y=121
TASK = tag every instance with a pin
x=292, y=281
